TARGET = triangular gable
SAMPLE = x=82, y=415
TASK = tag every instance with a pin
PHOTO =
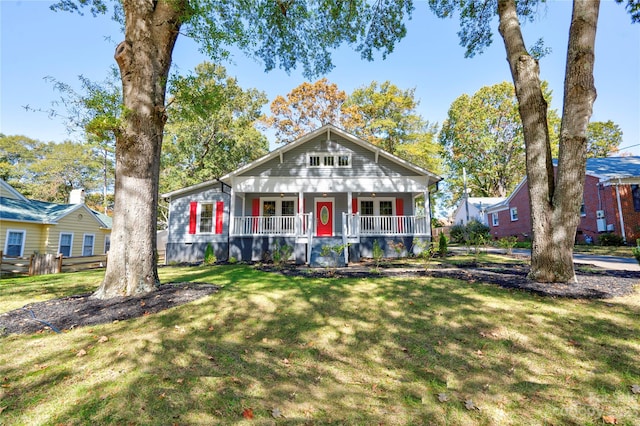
x=329, y=129
x=25, y=210
x=9, y=191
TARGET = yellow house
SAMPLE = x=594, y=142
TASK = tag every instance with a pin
x=31, y=226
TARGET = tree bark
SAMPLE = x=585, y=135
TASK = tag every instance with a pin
x=144, y=59
x=554, y=204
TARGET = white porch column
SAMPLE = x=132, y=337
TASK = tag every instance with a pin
x=301, y=202
x=349, y=202
x=427, y=211
x=232, y=211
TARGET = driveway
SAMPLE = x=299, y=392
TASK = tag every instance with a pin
x=607, y=262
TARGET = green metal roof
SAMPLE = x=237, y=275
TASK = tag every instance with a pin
x=41, y=211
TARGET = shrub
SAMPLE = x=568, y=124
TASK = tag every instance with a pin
x=377, y=253
x=610, y=239
x=442, y=245
x=636, y=251
x=457, y=233
x=209, y=256
x=508, y=243
x=281, y=254
x=473, y=233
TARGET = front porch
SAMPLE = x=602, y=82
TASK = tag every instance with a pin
x=252, y=236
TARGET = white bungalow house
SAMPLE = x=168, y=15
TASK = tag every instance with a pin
x=327, y=188
x=474, y=208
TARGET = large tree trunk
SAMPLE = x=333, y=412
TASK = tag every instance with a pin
x=144, y=58
x=554, y=203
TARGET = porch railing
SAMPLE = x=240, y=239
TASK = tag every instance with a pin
x=272, y=225
x=354, y=224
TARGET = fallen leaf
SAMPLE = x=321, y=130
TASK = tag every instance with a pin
x=635, y=388
x=211, y=328
x=142, y=303
x=2, y=409
x=276, y=413
x=180, y=380
x=81, y=352
x=479, y=352
x=573, y=343
x=469, y=405
x=247, y=413
x=443, y=397
x=610, y=420
x=162, y=395
x=285, y=361
x=103, y=339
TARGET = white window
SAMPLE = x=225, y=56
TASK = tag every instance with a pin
x=14, y=244
x=65, y=244
x=107, y=243
x=494, y=219
x=339, y=159
x=344, y=160
x=514, y=214
x=205, y=219
x=87, y=244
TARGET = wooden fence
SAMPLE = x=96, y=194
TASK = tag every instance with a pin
x=41, y=264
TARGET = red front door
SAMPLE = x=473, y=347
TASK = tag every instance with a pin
x=324, y=218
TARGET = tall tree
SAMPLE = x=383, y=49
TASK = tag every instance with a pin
x=603, y=139
x=554, y=198
x=17, y=153
x=483, y=135
x=94, y=112
x=281, y=33
x=389, y=116
x=309, y=106
x=211, y=127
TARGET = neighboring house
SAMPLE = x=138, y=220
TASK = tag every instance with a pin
x=473, y=208
x=30, y=226
x=326, y=189
x=611, y=203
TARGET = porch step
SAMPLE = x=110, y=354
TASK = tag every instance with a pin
x=332, y=258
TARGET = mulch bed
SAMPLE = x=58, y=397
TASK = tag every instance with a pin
x=82, y=310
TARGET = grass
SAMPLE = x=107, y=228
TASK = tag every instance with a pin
x=327, y=351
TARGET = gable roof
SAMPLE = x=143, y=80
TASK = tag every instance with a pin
x=25, y=210
x=11, y=190
x=329, y=128
x=605, y=169
x=611, y=168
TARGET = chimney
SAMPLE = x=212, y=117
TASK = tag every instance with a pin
x=76, y=196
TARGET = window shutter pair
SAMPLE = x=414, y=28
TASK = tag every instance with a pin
x=193, y=217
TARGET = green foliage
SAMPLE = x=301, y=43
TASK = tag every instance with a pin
x=603, y=139
x=377, y=253
x=209, y=255
x=281, y=254
x=233, y=260
x=398, y=247
x=211, y=127
x=442, y=245
x=636, y=251
x=610, y=239
x=507, y=243
x=473, y=233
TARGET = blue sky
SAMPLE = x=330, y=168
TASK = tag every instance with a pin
x=36, y=42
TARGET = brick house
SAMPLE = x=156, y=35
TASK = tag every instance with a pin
x=611, y=203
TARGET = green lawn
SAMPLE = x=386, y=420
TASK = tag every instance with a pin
x=393, y=351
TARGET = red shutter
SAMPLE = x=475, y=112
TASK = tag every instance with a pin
x=354, y=205
x=193, y=216
x=255, y=211
x=219, y=213
x=400, y=212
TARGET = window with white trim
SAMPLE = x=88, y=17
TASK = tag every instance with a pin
x=205, y=218
x=339, y=159
x=107, y=243
x=14, y=244
x=65, y=244
x=514, y=214
x=494, y=219
x=278, y=213
x=87, y=244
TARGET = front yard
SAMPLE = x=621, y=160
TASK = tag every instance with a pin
x=275, y=349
